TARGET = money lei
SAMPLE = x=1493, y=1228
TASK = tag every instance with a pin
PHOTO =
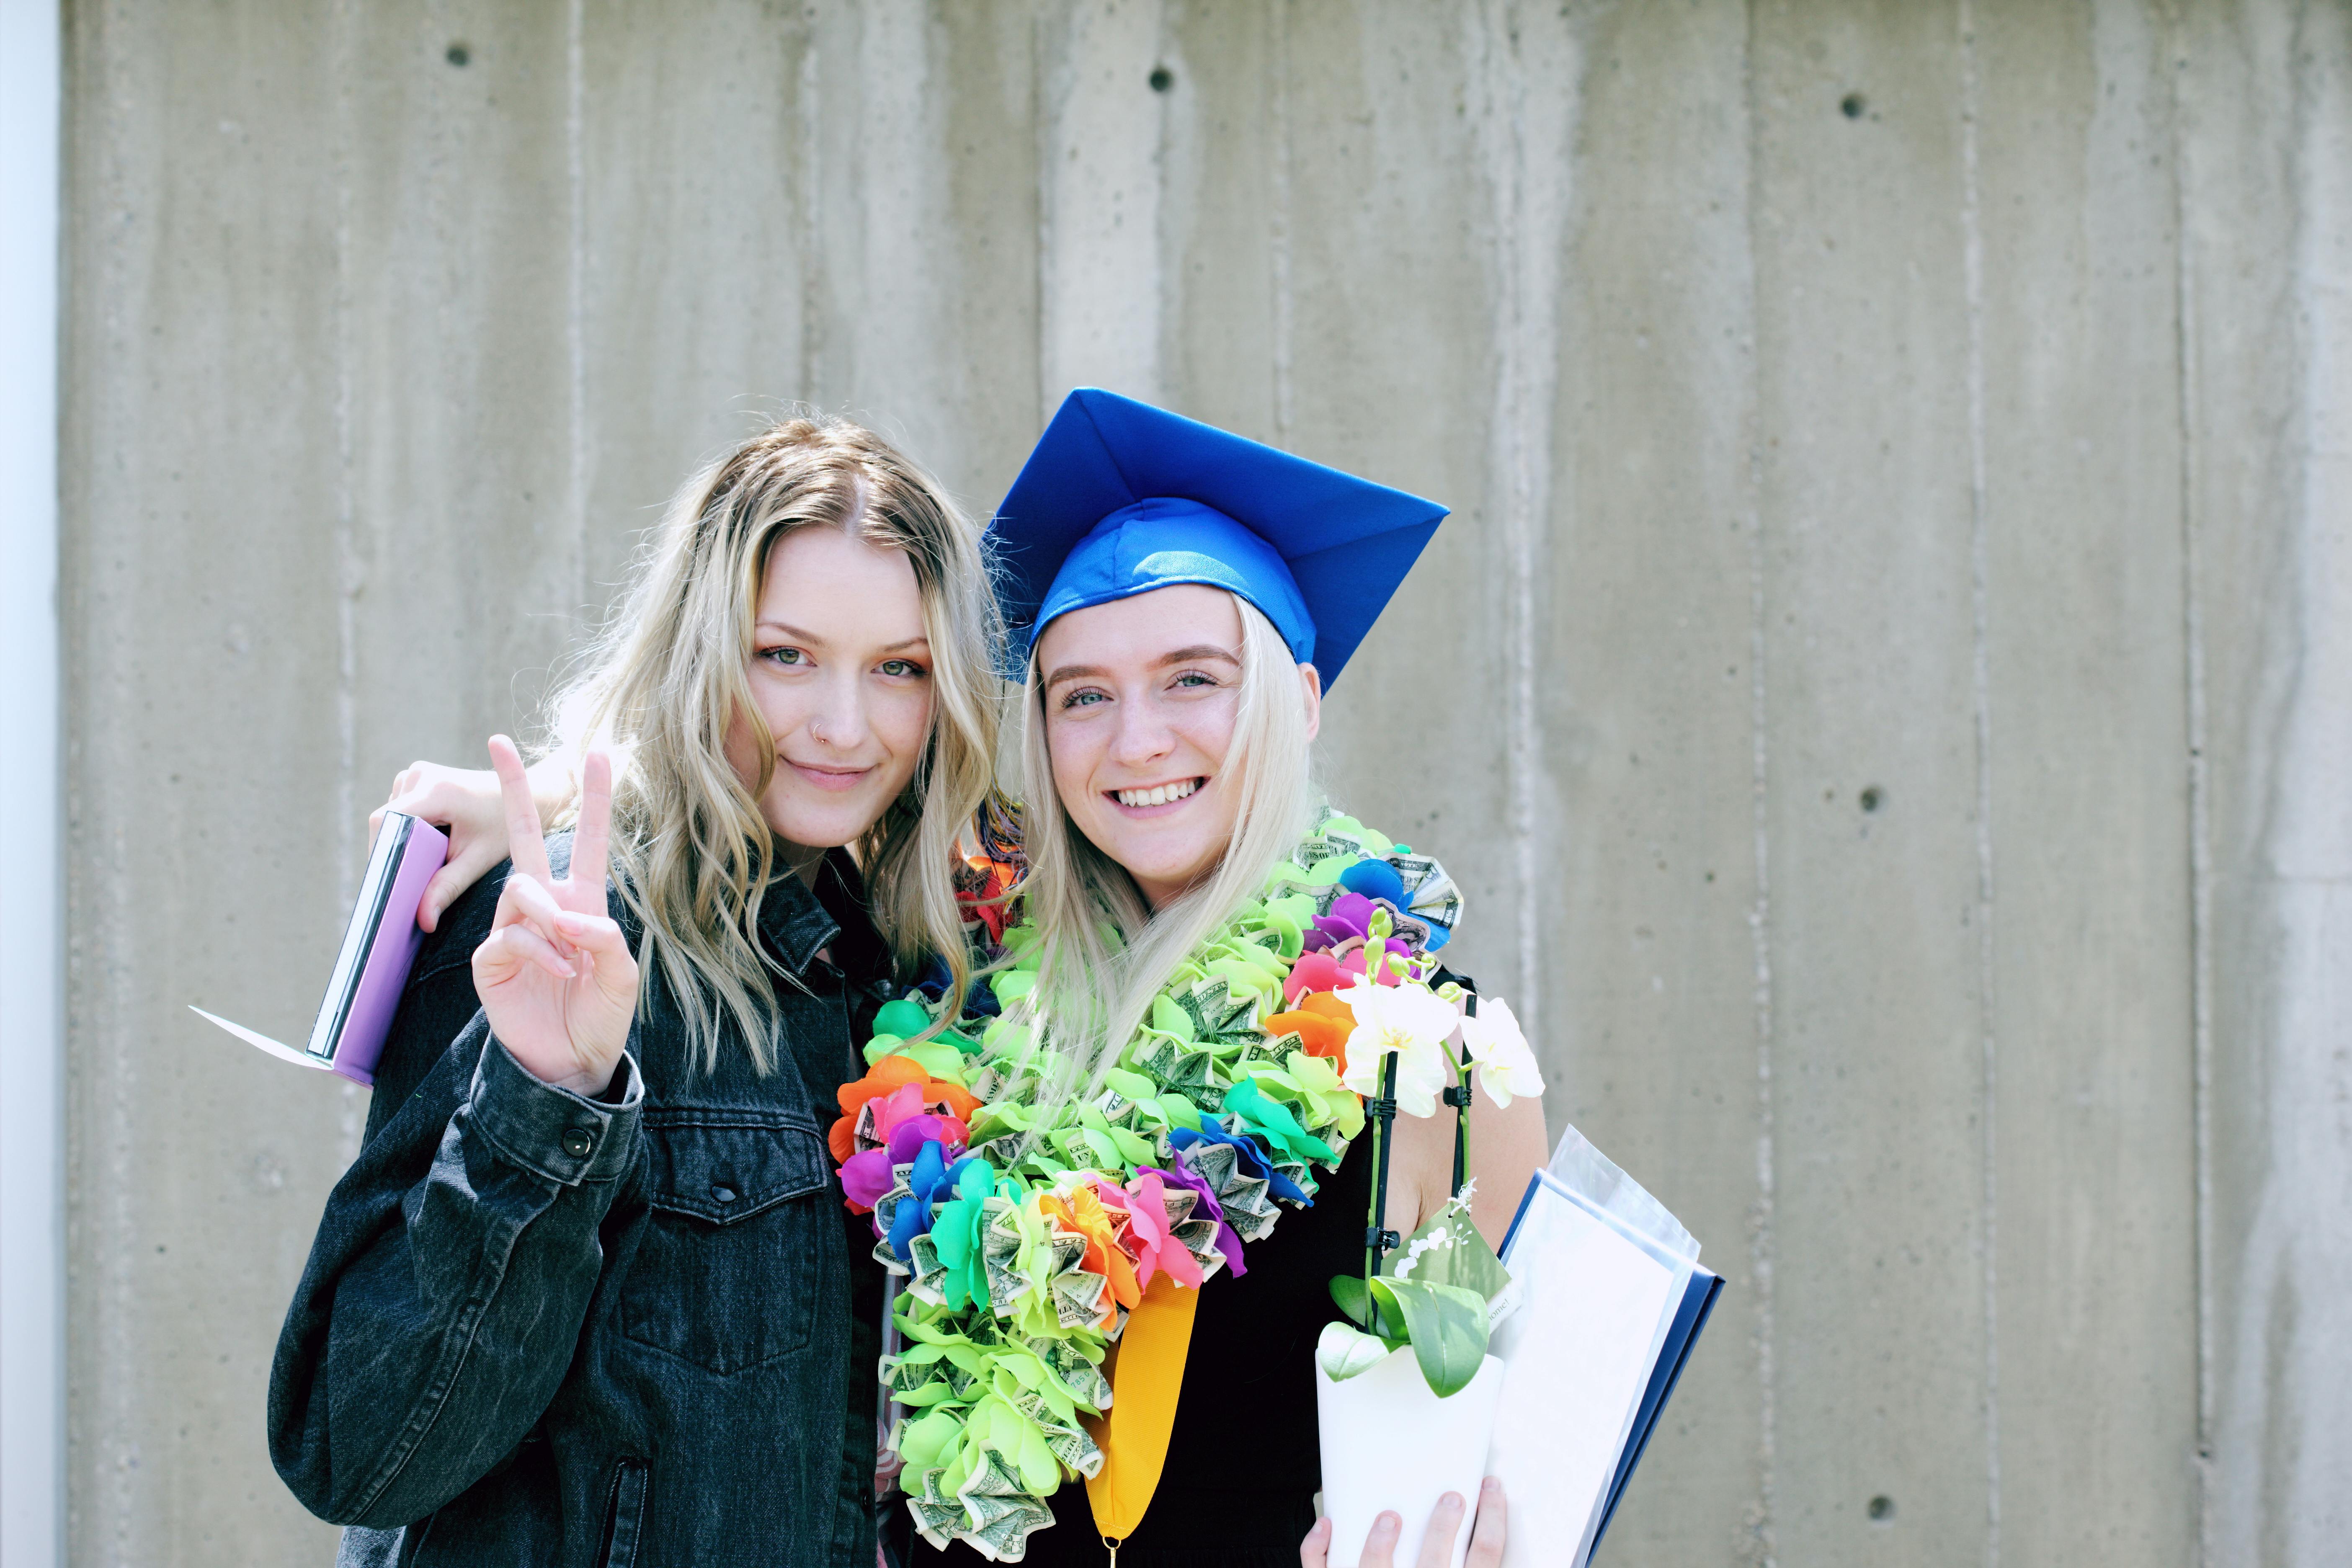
x=1022, y=1251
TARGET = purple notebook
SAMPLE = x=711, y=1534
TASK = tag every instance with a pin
x=380, y=944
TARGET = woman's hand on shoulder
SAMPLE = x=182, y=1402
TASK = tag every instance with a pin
x=555, y=974
x=466, y=804
x=1437, y=1541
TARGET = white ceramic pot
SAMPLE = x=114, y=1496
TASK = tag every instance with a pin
x=1389, y=1443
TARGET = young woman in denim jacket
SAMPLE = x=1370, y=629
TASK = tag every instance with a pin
x=590, y=1295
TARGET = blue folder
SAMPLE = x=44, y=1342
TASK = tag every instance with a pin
x=1673, y=1352
x=1698, y=1300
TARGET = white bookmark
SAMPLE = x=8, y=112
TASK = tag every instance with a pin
x=263, y=1042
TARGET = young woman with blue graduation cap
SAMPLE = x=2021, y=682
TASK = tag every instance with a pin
x=1183, y=1022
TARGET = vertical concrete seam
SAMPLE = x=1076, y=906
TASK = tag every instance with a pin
x=1526, y=385
x=1167, y=269
x=2199, y=823
x=112, y=1449
x=1111, y=303
x=1760, y=1244
x=350, y=1113
x=1519, y=535
x=812, y=271
x=1980, y=569
x=1041, y=152
x=575, y=311
x=1043, y=114
x=348, y=565
x=1279, y=246
x=2270, y=1379
x=1040, y=236
x=2307, y=849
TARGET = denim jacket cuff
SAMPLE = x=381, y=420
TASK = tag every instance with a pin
x=565, y=1137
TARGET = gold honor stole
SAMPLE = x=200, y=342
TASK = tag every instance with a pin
x=1146, y=1378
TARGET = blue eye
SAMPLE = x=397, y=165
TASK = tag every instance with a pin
x=1082, y=698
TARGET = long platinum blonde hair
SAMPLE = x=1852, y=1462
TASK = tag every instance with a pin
x=668, y=678
x=1106, y=952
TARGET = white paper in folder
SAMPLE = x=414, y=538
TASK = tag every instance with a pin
x=1577, y=1355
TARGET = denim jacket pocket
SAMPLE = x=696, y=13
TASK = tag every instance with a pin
x=625, y=1522
x=736, y=1198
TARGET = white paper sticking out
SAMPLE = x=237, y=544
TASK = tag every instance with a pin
x=288, y=1053
x=1593, y=1175
x=1576, y=1356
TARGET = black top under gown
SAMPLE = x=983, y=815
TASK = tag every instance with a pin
x=1242, y=1463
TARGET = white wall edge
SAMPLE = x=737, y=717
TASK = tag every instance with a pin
x=32, y=918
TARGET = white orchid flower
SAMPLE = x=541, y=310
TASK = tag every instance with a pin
x=1409, y=1022
x=1507, y=1067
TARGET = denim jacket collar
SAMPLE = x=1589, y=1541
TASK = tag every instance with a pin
x=798, y=921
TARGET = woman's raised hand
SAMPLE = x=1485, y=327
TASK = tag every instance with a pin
x=466, y=804
x=555, y=974
x=1436, y=1541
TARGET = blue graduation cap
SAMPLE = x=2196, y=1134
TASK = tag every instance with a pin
x=1120, y=498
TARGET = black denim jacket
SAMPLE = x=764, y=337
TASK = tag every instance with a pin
x=537, y=1329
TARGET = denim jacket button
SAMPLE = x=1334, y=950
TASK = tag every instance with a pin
x=722, y=1194
x=578, y=1142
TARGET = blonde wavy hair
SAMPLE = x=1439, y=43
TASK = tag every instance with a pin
x=1106, y=952
x=667, y=678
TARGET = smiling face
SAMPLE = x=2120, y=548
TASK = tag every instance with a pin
x=840, y=671
x=1141, y=696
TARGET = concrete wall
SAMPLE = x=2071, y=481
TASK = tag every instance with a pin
x=1887, y=686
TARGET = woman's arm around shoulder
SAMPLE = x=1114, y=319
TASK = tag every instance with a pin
x=469, y=807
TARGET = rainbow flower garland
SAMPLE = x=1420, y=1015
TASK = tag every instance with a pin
x=1026, y=1246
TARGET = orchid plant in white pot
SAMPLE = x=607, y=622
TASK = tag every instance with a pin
x=1436, y=1293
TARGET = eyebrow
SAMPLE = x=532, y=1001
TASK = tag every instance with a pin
x=798, y=634
x=1182, y=656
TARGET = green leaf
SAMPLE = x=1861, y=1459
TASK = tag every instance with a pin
x=1039, y=1472
x=1344, y=1352
x=924, y=1442
x=1447, y=1326
x=1274, y=1121
x=1296, y=909
x=1454, y=1254
x=1170, y=1020
x=1287, y=932
x=1131, y=1086
x=1348, y=1291
x=903, y=1017
x=1325, y=873
x=1179, y=1111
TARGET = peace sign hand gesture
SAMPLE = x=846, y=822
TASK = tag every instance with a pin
x=555, y=974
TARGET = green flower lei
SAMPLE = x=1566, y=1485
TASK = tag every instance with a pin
x=1014, y=1293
